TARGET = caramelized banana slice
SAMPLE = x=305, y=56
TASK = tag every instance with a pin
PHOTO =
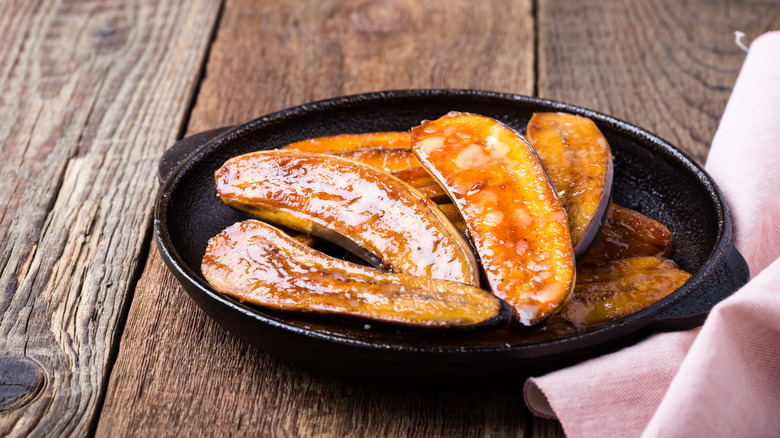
x=628, y=233
x=389, y=160
x=420, y=179
x=514, y=218
x=615, y=289
x=453, y=214
x=404, y=165
x=352, y=142
x=578, y=162
x=257, y=263
x=369, y=212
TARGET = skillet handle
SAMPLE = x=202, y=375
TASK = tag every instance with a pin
x=182, y=149
x=730, y=274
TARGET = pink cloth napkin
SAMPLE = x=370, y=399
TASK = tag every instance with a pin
x=724, y=378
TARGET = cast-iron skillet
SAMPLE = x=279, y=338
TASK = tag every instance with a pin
x=650, y=176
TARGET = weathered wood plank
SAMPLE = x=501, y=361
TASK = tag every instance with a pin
x=92, y=92
x=304, y=51
x=177, y=372
x=667, y=66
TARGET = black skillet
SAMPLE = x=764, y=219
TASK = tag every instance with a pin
x=650, y=176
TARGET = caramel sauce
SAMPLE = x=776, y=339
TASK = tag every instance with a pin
x=389, y=160
x=352, y=142
x=420, y=179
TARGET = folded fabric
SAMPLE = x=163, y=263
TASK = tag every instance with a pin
x=722, y=379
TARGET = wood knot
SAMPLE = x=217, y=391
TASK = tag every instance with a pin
x=380, y=16
x=110, y=37
x=21, y=379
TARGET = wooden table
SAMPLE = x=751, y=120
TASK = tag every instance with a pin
x=96, y=337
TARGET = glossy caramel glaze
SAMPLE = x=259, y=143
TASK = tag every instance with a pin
x=305, y=239
x=352, y=142
x=389, y=160
x=612, y=290
x=453, y=214
x=420, y=179
x=578, y=162
x=628, y=233
x=257, y=263
x=404, y=165
x=514, y=218
x=363, y=209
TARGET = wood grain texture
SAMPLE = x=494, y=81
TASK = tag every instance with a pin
x=177, y=372
x=269, y=56
x=92, y=92
x=667, y=66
